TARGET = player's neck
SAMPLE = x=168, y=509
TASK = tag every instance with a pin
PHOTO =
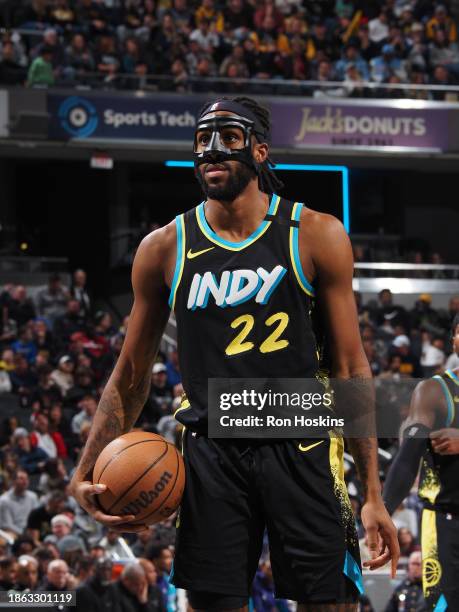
x=239, y=218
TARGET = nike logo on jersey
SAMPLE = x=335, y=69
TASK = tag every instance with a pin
x=191, y=255
x=305, y=449
x=234, y=287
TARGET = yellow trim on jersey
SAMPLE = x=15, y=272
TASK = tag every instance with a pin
x=184, y=405
x=180, y=264
x=431, y=568
x=336, y=460
x=226, y=244
x=294, y=255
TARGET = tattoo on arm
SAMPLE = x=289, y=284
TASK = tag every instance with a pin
x=355, y=403
x=115, y=415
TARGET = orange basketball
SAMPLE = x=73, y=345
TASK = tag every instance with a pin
x=144, y=474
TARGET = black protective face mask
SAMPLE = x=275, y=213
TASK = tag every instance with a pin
x=215, y=151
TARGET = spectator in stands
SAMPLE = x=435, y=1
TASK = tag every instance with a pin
x=441, y=51
x=43, y=337
x=62, y=376
x=63, y=15
x=20, y=306
x=104, y=324
x=207, y=11
x=441, y=21
x=107, y=59
x=263, y=589
x=433, y=356
x=386, y=65
x=16, y=504
x=379, y=27
x=408, y=595
x=88, y=407
x=27, y=574
x=51, y=42
x=424, y=317
x=93, y=17
x=116, y=546
x=6, y=386
x=407, y=542
x=418, y=54
x=25, y=344
x=84, y=384
x=442, y=77
x=53, y=444
x=57, y=576
x=8, y=573
x=62, y=536
x=368, y=49
x=70, y=322
x=9, y=467
x=180, y=76
x=46, y=391
x=173, y=369
x=393, y=369
x=351, y=56
x=7, y=361
x=132, y=60
x=409, y=363
x=79, y=292
x=238, y=16
x=406, y=518
x=41, y=71
x=207, y=39
x=78, y=59
x=22, y=379
x=453, y=360
x=155, y=598
x=130, y=591
x=39, y=519
x=94, y=594
x=31, y=459
x=36, y=15
x=54, y=477
x=161, y=557
x=388, y=314
x=52, y=301
x=44, y=556
x=143, y=541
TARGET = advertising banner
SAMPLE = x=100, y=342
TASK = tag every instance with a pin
x=327, y=124
x=297, y=122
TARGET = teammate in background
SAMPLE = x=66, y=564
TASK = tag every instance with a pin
x=264, y=258
x=431, y=439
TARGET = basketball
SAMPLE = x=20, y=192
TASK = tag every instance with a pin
x=144, y=475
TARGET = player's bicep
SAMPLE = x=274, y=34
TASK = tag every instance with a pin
x=427, y=403
x=334, y=265
x=150, y=310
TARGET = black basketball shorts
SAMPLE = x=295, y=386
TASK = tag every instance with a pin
x=293, y=488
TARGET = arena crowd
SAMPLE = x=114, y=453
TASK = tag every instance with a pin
x=56, y=354
x=187, y=44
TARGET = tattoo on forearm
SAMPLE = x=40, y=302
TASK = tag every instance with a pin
x=354, y=401
x=115, y=415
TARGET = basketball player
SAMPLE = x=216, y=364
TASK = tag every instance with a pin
x=240, y=272
x=431, y=439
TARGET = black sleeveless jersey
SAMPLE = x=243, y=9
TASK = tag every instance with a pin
x=243, y=309
x=439, y=480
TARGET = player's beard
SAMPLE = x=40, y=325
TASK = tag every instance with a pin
x=238, y=178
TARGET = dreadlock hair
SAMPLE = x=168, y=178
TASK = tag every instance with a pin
x=268, y=182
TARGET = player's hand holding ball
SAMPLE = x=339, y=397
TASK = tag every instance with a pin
x=138, y=480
